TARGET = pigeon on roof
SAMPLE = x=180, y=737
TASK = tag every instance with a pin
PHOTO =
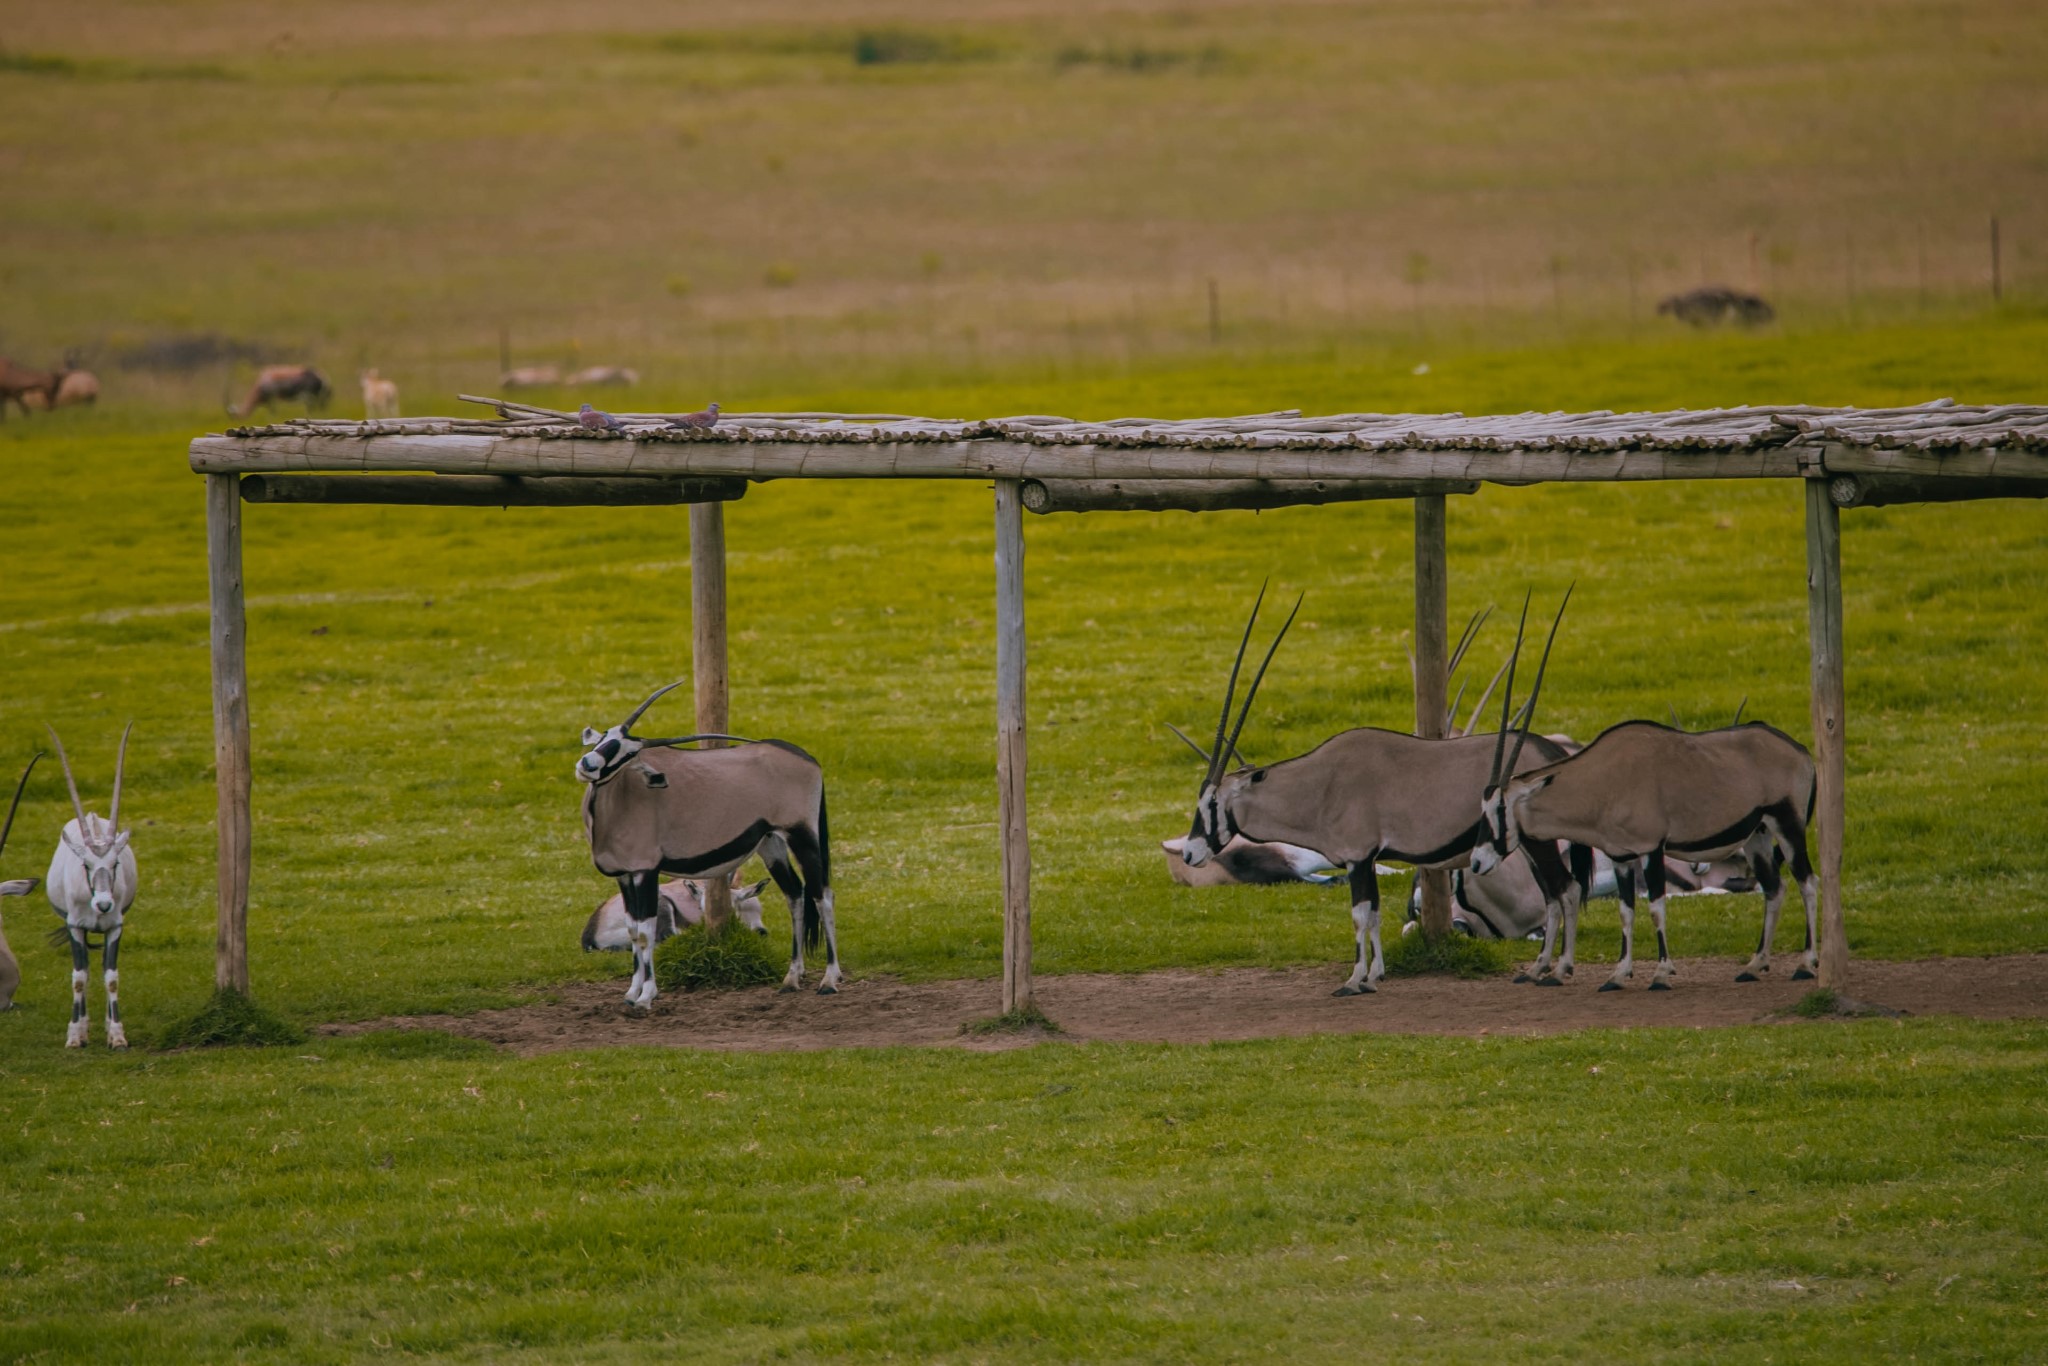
x=707, y=417
x=594, y=420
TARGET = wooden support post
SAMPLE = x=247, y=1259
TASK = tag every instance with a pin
x=1010, y=813
x=707, y=659
x=1432, y=650
x=230, y=729
x=1824, y=627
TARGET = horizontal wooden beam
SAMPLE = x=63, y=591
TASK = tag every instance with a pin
x=1211, y=495
x=1883, y=490
x=970, y=459
x=1985, y=462
x=486, y=490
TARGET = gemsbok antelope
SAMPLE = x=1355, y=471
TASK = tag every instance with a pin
x=682, y=903
x=10, y=969
x=654, y=807
x=91, y=883
x=1643, y=790
x=1360, y=796
x=276, y=383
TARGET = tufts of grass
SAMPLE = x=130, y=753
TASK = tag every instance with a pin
x=231, y=1019
x=409, y=1044
x=1460, y=955
x=695, y=958
x=1029, y=1020
x=1817, y=1003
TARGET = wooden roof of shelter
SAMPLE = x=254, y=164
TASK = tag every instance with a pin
x=528, y=455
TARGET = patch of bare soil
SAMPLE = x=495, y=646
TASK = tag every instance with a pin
x=1204, y=1007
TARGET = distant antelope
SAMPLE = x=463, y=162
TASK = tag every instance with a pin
x=599, y=376
x=10, y=970
x=20, y=384
x=1642, y=790
x=277, y=383
x=682, y=903
x=91, y=883
x=380, y=395
x=1711, y=305
x=1360, y=796
x=653, y=807
x=531, y=377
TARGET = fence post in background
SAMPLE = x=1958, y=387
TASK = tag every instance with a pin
x=1010, y=762
x=231, y=766
x=1997, y=283
x=708, y=662
x=1824, y=629
x=1215, y=315
x=1432, y=648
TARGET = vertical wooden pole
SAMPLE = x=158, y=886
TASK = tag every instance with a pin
x=1010, y=746
x=707, y=658
x=230, y=729
x=1432, y=649
x=1824, y=627
x=1997, y=272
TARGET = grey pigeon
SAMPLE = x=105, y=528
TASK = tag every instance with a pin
x=591, y=419
x=707, y=418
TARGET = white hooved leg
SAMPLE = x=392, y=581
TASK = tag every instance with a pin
x=117, y=1037
x=77, y=1035
x=1626, y=968
x=1378, y=963
x=831, y=983
x=1356, y=984
x=795, y=977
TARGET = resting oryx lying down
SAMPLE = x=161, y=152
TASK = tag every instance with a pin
x=1642, y=791
x=91, y=883
x=10, y=969
x=1507, y=903
x=653, y=807
x=682, y=903
x=1360, y=796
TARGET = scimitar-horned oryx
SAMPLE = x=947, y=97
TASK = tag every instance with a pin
x=10, y=969
x=654, y=807
x=91, y=883
x=1361, y=795
x=1642, y=790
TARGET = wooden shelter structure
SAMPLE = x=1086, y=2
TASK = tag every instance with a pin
x=530, y=456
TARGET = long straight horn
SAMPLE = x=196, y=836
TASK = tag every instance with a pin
x=1739, y=709
x=627, y=724
x=120, y=766
x=16, y=805
x=1501, y=736
x=1259, y=677
x=1217, y=751
x=69, y=781
x=1676, y=724
x=1472, y=722
x=1471, y=634
x=1529, y=719
x=1206, y=757
x=1451, y=712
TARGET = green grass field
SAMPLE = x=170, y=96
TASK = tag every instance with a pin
x=1407, y=207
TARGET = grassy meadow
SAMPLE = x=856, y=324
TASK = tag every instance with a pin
x=944, y=208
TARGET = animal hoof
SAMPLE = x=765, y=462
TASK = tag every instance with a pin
x=1549, y=981
x=1364, y=989
x=1660, y=986
x=1610, y=986
x=1802, y=976
x=1747, y=977
x=786, y=989
x=828, y=990
x=1523, y=977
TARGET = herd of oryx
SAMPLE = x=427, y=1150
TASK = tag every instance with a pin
x=1531, y=825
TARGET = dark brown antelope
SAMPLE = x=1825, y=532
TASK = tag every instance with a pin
x=653, y=807
x=277, y=383
x=19, y=384
x=1643, y=790
x=1361, y=796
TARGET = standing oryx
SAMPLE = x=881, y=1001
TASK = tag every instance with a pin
x=653, y=807
x=10, y=970
x=1642, y=790
x=1359, y=796
x=91, y=883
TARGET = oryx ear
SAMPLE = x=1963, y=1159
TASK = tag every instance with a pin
x=591, y=735
x=73, y=843
x=653, y=777
x=1258, y=775
x=20, y=886
x=120, y=843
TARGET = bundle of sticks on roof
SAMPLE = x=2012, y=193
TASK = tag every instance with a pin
x=1941, y=425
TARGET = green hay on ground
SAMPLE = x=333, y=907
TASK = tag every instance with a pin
x=231, y=1019
x=1460, y=955
x=737, y=957
x=1024, y=1021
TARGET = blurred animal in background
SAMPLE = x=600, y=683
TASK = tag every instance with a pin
x=10, y=970
x=1713, y=305
x=380, y=395
x=278, y=383
x=682, y=903
x=91, y=883
x=21, y=384
x=531, y=377
x=618, y=376
x=77, y=388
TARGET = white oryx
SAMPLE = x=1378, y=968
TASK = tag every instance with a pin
x=91, y=883
x=653, y=807
x=10, y=969
x=1360, y=796
x=682, y=903
x=1643, y=790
